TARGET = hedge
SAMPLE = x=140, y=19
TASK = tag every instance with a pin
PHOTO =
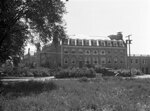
x=75, y=73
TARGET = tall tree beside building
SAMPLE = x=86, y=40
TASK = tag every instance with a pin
x=21, y=19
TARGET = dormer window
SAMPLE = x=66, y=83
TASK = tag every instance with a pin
x=86, y=42
x=79, y=42
x=115, y=44
x=72, y=41
x=109, y=44
x=65, y=42
x=93, y=42
x=103, y=43
x=121, y=44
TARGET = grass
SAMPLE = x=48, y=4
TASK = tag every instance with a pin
x=100, y=94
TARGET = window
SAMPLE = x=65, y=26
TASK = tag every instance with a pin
x=72, y=41
x=144, y=61
x=95, y=52
x=136, y=60
x=65, y=60
x=95, y=60
x=122, y=51
x=121, y=61
x=86, y=42
x=103, y=52
x=79, y=42
x=121, y=44
x=93, y=42
x=115, y=44
x=102, y=43
x=131, y=61
x=103, y=60
x=80, y=51
x=115, y=60
x=143, y=69
x=109, y=60
x=109, y=44
x=73, y=51
x=109, y=52
x=66, y=51
x=73, y=61
x=116, y=51
x=87, y=60
x=87, y=52
x=65, y=42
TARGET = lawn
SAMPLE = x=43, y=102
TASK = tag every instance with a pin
x=100, y=94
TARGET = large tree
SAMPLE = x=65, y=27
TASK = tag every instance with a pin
x=21, y=19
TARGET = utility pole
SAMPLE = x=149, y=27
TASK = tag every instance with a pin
x=128, y=41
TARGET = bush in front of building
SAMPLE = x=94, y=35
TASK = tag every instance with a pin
x=128, y=73
x=27, y=72
x=119, y=72
x=105, y=71
x=76, y=72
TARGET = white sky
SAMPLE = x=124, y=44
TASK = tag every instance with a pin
x=106, y=17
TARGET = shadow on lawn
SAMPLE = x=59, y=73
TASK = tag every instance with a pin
x=27, y=88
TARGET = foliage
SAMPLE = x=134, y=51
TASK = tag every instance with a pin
x=20, y=20
x=27, y=72
x=112, y=94
x=28, y=87
x=83, y=79
x=42, y=72
x=75, y=72
x=128, y=73
x=105, y=71
x=119, y=72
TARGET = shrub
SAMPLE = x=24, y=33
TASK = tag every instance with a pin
x=40, y=72
x=128, y=73
x=27, y=72
x=105, y=71
x=83, y=79
x=75, y=72
x=26, y=88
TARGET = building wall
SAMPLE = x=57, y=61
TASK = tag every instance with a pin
x=107, y=53
x=140, y=62
x=50, y=56
x=78, y=52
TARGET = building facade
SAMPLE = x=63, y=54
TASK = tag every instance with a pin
x=141, y=62
x=82, y=52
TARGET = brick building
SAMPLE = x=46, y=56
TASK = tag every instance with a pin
x=141, y=62
x=82, y=52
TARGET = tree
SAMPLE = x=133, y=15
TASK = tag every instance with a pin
x=20, y=19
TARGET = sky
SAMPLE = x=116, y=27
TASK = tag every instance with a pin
x=94, y=18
